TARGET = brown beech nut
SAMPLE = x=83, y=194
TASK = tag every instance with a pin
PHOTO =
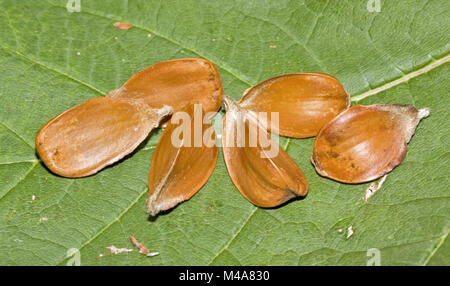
x=305, y=102
x=90, y=136
x=365, y=142
x=262, y=171
x=184, y=159
x=176, y=83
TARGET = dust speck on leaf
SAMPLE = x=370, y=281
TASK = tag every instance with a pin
x=349, y=231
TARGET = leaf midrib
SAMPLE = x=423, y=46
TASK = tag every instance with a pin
x=43, y=66
x=436, y=248
x=133, y=203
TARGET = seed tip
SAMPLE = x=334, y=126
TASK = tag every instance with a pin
x=424, y=112
x=152, y=209
x=228, y=103
x=165, y=110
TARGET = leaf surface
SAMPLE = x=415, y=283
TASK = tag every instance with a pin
x=53, y=60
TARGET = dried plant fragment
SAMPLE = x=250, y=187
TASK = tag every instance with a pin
x=142, y=249
x=176, y=83
x=305, y=102
x=349, y=231
x=115, y=250
x=88, y=137
x=261, y=170
x=365, y=142
x=373, y=188
x=184, y=159
x=122, y=25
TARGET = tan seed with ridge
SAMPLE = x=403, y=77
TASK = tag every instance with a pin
x=305, y=102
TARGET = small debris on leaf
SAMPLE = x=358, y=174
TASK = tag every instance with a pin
x=100, y=255
x=122, y=25
x=114, y=250
x=42, y=219
x=142, y=249
x=370, y=191
x=350, y=231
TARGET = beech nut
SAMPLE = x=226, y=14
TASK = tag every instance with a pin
x=305, y=102
x=365, y=142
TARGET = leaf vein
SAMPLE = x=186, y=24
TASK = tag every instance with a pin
x=436, y=248
x=222, y=65
x=110, y=224
x=42, y=65
x=21, y=179
x=15, y=133
x=234, y=235
x=402, y=79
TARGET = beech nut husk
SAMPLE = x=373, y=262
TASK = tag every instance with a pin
x=365, y=142
x=176, y=83
x=88, y=137
x=182, y=162
x=305, y=102
x=263, y=172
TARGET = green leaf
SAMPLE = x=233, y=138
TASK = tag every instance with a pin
x=52, y=60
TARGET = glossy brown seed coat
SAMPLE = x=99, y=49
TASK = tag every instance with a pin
x=88, y=137
x=305, y=102
x=365, y=142
x=176, y=83
x=177, y=173
x=265, y=180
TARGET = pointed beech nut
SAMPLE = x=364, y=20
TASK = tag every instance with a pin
x=184, y=159
x=176, y=83
x=88, y=137
x=260, y=169
x=305, y=102
x=365, y=142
